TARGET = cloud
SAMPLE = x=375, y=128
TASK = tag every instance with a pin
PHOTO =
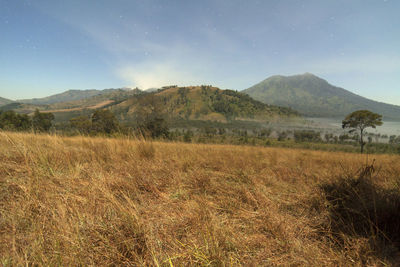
x=155, y=75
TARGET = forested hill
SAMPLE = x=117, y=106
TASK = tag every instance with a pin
x=202, y=103
x=313, y=96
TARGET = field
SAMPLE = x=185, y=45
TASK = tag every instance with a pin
x=79, y=201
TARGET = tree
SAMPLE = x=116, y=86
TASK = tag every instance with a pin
x=42, y=121
x=359, y=121
x=104, y=121
x=10, y=120
x=82, y=124
x=150, y=117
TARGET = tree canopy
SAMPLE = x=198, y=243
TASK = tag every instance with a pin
x=42, y=121
x=10, y=120
x=360, y=120
x=104, y=120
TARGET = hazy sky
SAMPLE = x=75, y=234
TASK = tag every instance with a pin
x=49, y=46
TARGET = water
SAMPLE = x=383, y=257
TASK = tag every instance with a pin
x=335, y=125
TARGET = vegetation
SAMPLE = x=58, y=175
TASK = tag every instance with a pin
x=42, y=122
x=203, y=103
x=150, y=118
x=72, y=103
x=81, y=201
x=359, y=121
x=315, y=97
x=12, y=121
x=102, y=121
x=307, y=136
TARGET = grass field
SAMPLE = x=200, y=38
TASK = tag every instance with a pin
x=74, y=201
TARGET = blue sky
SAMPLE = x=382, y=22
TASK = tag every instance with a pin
x=49, y=46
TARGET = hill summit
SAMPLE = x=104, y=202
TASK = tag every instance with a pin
x=315, y=97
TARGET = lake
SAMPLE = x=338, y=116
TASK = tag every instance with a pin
x=388, y=127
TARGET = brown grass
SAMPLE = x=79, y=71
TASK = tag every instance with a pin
x=97, y=106
x=96, y=201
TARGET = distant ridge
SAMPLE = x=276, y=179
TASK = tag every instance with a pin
x=70, y=95
x=5, y=101
x=315, y=97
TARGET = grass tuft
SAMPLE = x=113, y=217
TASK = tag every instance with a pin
x=146, y=150
x=360, y=208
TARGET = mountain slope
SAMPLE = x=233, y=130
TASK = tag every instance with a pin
x=108, y=95
x=313, y=96
x=201, y=103
x=5, y=101
x=63, y=111
x=68, y=96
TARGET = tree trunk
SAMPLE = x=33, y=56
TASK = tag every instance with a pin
x=362, y=140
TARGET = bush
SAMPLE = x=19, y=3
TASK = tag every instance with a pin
x=307, y=136
x=360, y=208
x=187, y=137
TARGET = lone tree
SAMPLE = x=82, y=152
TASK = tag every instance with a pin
x=151, y=117
x=359, y=120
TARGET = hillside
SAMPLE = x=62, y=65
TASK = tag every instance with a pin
x=315, y=97
x=203, y=103
x=120, y=202
x=5, y=101
x=112, y=96
x=63, y=111
x=68, y=96
x=22, y=107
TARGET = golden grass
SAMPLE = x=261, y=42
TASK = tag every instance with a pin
x=96, y=201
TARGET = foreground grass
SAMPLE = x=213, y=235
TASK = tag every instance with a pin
x=96, y=201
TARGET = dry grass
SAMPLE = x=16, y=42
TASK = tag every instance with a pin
x=94, y=201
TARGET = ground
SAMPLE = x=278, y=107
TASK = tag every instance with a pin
x=109, y=201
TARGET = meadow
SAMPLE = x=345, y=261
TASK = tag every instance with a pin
x=93, y=201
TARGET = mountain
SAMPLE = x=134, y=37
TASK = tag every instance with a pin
x=63, y=111
x=70, y=95
x=315, y=97
x=5, y=101
x=107, y=96
x=201, y=103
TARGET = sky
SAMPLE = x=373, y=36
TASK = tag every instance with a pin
x=49, y=46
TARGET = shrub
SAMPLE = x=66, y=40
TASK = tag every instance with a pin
x=360, y=208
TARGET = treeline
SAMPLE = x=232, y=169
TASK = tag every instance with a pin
x=39, y=122
x=150, y=122
x=307, y=139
